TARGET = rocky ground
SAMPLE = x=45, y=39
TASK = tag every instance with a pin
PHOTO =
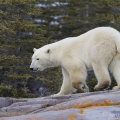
x=101, y=105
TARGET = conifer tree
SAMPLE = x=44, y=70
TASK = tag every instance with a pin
x=107, y=13
x=19, y=33
x=66, y=18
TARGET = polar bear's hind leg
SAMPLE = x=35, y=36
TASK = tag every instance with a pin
x=115, y=69
x=102, y=75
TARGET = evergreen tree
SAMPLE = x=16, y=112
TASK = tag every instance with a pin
x=107, y=13
x=19, y=33
x=65, y=18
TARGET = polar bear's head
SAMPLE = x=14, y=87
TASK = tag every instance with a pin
x=40, y=59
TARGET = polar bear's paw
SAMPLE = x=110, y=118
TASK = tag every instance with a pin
x=84, y=87
x=98, y=87
x=104, y=85
x=116, y=88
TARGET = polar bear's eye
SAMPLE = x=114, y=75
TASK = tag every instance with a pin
x=37, y=59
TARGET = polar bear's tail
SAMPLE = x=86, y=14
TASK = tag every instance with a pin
x=118, y=43
x=118, y=46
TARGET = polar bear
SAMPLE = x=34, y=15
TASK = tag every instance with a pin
x=97, y=49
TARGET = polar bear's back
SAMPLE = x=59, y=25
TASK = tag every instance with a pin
x=97, y=36
x=103, y=40
x=94, y=35
x=94, y=45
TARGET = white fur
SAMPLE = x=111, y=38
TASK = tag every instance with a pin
x=97, y=49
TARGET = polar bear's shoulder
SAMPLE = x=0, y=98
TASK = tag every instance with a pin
x=103, y=29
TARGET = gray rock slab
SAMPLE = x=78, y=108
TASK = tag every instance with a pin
x=101, y=105
x=97, y=113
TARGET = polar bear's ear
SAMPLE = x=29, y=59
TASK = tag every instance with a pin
x=48, y=51
x=34, y=49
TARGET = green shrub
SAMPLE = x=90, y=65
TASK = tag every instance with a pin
x=9, y=91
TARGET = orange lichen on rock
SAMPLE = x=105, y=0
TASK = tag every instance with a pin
x=87, y=104
x=107, y=102
x=82, y=105
x=81, y=110
x=71, y=117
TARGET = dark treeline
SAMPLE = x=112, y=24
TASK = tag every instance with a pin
x=25, y=24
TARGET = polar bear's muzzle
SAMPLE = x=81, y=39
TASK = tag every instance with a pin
x=34, y=66
x=34, y=69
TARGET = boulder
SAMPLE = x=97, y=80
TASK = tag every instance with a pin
x=101, y=105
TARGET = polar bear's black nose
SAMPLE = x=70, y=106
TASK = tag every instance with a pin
x=31, y=68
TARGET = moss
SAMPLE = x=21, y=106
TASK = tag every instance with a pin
x=9, y=91
x=91, y=82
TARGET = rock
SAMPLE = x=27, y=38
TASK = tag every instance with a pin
x=4, y=102
x=101, y=105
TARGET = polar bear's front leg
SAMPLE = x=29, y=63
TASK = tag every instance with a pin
x=66, y=87
x=78, y=73
x=79, y=81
